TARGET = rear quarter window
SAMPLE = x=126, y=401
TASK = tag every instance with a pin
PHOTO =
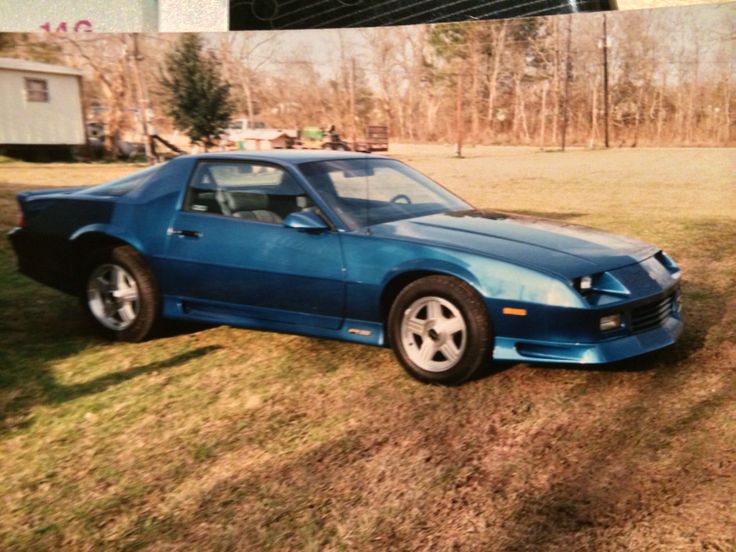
x=124, y=185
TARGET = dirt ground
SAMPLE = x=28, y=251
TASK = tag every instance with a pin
x=228, y=439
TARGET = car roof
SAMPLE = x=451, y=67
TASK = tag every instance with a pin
x=293, y=157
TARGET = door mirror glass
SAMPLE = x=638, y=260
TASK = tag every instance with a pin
x=306, y=221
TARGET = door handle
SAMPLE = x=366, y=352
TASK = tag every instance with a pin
x=193, y=234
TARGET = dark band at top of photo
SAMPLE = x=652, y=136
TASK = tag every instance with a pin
x=322, y=14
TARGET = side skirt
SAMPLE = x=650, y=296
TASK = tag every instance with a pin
x=356, y=331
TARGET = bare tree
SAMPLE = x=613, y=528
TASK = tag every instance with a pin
x=107, y=56
x=523, y=81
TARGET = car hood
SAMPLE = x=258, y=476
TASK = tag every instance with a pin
x=567, y=249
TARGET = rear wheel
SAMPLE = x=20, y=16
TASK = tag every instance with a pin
x=439, y=330
x=120, y=294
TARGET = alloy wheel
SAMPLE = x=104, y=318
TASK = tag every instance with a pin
x=433, y=334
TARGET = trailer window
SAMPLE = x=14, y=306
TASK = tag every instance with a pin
x=37, y=90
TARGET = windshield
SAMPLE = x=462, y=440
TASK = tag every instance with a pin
x=369, y=191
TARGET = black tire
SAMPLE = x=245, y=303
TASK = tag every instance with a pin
x=473, y=345
x=146, y=308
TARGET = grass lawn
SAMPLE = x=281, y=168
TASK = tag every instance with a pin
x=222, y=438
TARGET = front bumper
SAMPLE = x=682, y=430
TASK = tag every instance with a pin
x=511, y=349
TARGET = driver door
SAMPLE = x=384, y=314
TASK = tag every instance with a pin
x=230, y=256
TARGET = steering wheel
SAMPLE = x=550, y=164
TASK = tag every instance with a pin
x=399, y=197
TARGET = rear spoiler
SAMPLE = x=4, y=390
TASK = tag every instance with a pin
x=25, y=196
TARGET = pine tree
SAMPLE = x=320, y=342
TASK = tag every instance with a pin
x=197, y=96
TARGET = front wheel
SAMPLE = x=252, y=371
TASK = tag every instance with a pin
x=439, y=330
x=120, y=294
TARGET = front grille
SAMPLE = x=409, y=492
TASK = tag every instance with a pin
x=652, y=315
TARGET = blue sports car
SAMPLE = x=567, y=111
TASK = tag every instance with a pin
x=348, y=246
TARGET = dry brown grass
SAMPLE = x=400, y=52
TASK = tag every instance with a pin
x=232, y=439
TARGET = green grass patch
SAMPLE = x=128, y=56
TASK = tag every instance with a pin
x=220, y=438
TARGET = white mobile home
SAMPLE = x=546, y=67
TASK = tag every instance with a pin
x=40, y=107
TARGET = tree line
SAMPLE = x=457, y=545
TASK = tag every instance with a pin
x=658, y=77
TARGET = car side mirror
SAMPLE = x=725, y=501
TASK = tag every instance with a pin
x=306, y=221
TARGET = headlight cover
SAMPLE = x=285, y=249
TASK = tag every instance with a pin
x=603, y=282
x=669, y=263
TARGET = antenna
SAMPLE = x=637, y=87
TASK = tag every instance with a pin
x=367, y=196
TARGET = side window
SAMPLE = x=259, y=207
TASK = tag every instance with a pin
x=251, y=191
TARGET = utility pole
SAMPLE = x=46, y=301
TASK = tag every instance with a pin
x=459, y=119
x=568, y=63
x=543, y=117
x=142, y=102
x=353, y=131
x=605, y=79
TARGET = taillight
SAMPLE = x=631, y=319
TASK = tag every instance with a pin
x=21, y=220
